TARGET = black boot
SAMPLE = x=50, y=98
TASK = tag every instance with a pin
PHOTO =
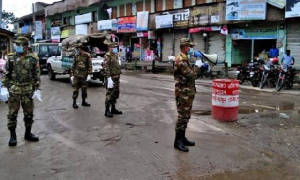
x=75, y=106
x=178, y=144
x=114, y=110
x=29, y=136
x=13, y=138
x=107, y=112
x=186, y=141
x=84, y=103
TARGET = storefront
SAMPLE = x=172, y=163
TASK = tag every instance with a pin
x=250, y=41
x=6, y=41
x=293, y=39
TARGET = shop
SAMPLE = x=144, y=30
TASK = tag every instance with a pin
x=6, y=41
x=293, y=39
x=250, y=41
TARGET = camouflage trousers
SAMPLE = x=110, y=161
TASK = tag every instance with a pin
x=184, y=107
x=80, y=82
x=113, y=94
x=14, y=103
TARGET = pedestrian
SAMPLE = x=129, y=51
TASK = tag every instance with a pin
x=112, y=70
x=81, y=74
x=128, y=53
x=184, y=76
x=22, y=77
x=288, y=59
x=274, y=52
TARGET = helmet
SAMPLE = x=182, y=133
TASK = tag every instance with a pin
x=274, y=60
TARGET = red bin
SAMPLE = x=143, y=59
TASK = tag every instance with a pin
x=225, y=99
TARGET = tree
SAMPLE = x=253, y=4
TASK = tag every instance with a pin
x=8, y=17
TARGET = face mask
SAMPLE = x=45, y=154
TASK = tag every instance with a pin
x=19, y=49
x=115, y=50
x=191, y=51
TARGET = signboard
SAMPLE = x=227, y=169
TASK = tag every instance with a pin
x=205, y=15
x=198, y=29
x=142, y=21
x=38, y=30
x=104, y=25
x=164, y=21
x=253, y=33
x=85, y=18
x=114, y=25
x=148, y=55
x=246, y=10
x=292, y=8
x=127, y=24
x=55, y=34
x=136, y=51
x=277, y=3
x=81, y=29
x=142, y=34
x=181, y=18
x=24, y=30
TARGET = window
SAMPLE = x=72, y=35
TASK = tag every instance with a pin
x=47, y=50
x=66, y=21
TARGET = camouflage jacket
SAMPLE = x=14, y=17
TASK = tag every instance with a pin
x=22, y=74
x=112, y=67
x=184, y=76
x=82, y=65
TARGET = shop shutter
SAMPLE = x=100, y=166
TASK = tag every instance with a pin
x=178, y=34
x=200, y=42
x=216, y=45
x=293, y=40
x=167, y=45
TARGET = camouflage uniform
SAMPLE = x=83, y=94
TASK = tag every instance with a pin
x=82, y=67
x=22, y=77
x=112, y=69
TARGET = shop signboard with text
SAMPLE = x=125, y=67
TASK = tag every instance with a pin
x=55, y=34
x=253, y=33
x=246, y=10
x=85, y=18
x=164, y=21
x=127, y=24
x=104, y=25
x=38, y=30
x=205, y=15
x=292, y=8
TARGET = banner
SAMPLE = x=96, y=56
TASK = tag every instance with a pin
x=127, y=24
x=164, y=21
x=38, y=30
x=209, y=29
x=137, y=51
x=114, y=25
x=142, y=21
x=55, y=34
x=253, y=33
x=246, y=10
x=277, y=3
x=292, y=8
x=104, y=25
x=85, y=18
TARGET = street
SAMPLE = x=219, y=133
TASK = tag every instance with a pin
x=82, y=144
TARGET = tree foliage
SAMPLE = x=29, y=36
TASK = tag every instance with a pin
x=8, y=17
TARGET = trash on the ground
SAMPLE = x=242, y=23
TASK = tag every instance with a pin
x=283, y=115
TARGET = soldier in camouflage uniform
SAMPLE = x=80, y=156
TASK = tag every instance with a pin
x=22, y=78
x=80, y=74
x=184, y=76
x=112, y=71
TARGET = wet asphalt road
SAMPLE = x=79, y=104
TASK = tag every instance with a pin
x=138, y=145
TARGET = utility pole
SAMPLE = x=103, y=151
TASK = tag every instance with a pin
x=0, y=13
x=33, y=21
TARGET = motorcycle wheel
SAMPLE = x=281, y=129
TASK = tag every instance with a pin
x=263, y=81
x=254, y=81
x=279, y=84
x=241, y=78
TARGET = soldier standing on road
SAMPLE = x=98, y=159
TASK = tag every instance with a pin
x=112, y=71
x=22, y=78
x=80, y=74
x=184, y=76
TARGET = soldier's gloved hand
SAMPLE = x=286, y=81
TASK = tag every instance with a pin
x=199, y=63
x=88, y=78
x=72, y=78
x=110, y=83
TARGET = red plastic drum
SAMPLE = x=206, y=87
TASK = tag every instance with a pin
x=225, y=99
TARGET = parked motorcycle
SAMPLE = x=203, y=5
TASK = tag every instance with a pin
x=286, y=78
x=270, y=73
x=256, y=72
x=244, y=73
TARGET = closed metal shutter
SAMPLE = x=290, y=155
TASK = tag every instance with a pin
x=293, y=40
x=179, y=34
x=167, y=45
x=200, y=42
x=216, y=45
